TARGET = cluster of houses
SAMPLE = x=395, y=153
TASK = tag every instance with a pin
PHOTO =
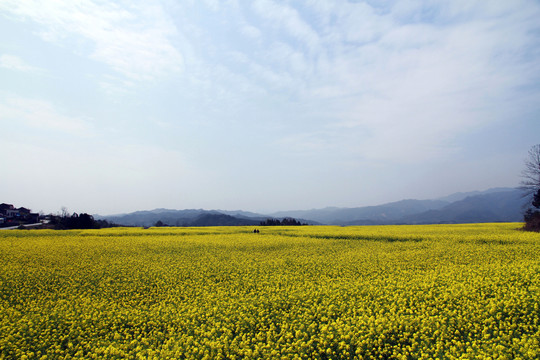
x=10, y=215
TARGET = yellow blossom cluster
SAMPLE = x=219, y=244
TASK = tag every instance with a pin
x=313, y=292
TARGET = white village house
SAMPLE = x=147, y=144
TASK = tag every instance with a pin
x=11, y=214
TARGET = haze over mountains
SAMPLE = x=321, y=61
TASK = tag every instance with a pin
x=493, y=205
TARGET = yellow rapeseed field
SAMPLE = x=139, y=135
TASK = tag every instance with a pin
x=381, y=292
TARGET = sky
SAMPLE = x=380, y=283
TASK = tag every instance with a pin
x=265, y=105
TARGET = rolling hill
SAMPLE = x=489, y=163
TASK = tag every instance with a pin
x=493, y=205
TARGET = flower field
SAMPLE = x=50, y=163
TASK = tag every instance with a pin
x=385, y=292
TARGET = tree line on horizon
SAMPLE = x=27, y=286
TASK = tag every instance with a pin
x=77, y=221
x=288, y=221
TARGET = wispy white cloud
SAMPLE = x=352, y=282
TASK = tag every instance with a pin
x=134, y=40
x=13, y=62
x=212, y=4
x=415, y=75
x=250, y=31
x=289, y=19
x=41, y=114
x=414, y=82
x=350, y=23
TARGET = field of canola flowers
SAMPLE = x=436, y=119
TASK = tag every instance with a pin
x=381, y=292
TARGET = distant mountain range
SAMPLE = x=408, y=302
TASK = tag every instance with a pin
x=493, y=205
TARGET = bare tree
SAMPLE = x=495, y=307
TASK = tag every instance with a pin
x=531, y=174
x=531, y=187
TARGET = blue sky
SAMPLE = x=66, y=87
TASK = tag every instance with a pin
x=110, y=107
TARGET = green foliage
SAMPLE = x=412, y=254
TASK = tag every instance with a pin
x=160, y=223
x=77, y=221
x=285, y=222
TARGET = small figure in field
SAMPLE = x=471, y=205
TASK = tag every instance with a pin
x=256, y=231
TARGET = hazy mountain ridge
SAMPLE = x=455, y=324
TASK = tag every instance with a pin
x=493, y=205
x=381, y=213
x=191, y=217
x=506, y=206
x=150, y=217
x=221, y=220
x=463, y=195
